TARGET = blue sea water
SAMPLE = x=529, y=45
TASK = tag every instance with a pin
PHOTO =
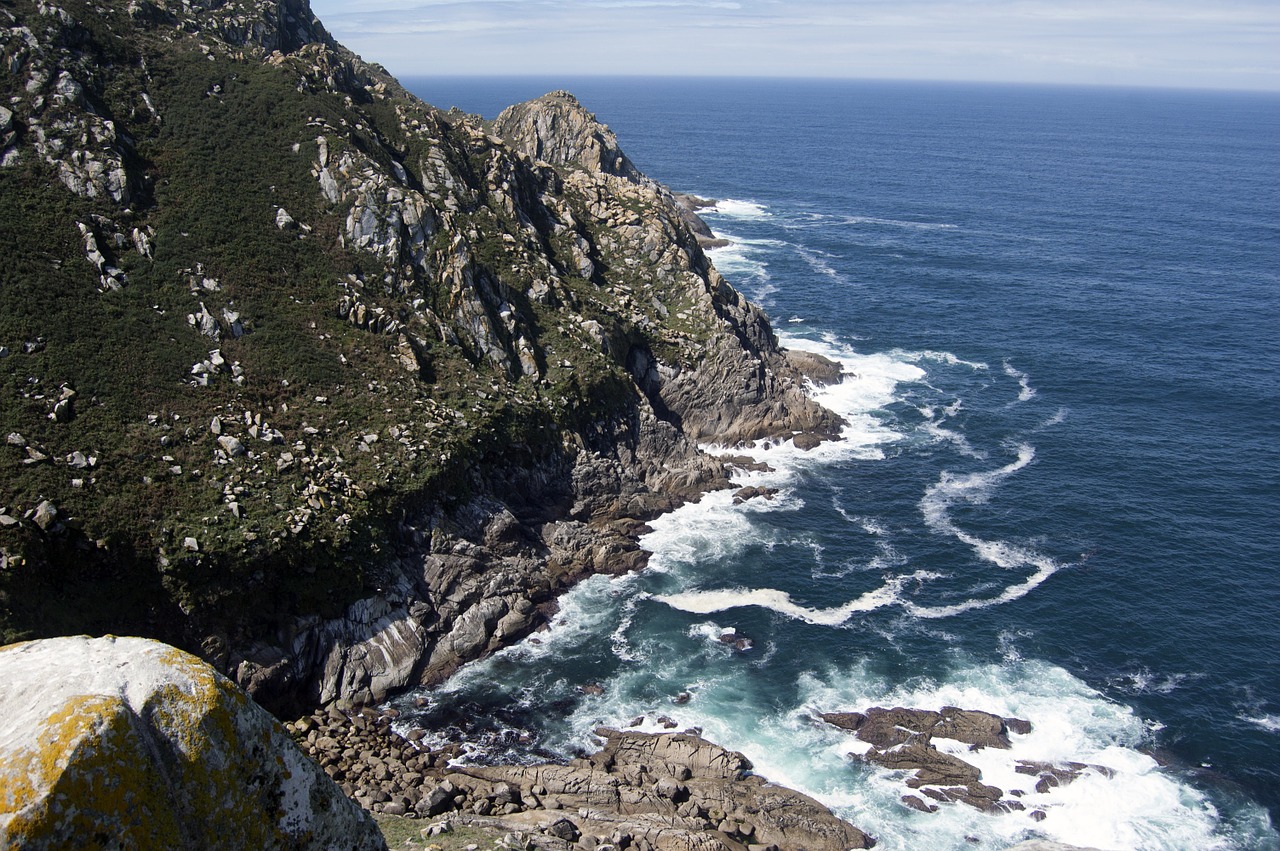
x=1058, y=311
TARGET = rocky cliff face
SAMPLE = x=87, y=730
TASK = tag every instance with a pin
x=328, y=386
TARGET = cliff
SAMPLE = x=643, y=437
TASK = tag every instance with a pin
x=331, y=388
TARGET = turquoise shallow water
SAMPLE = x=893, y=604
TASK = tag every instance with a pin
x=1058, y=312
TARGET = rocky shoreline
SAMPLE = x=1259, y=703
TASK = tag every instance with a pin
x=640, y=791
x=467, y=580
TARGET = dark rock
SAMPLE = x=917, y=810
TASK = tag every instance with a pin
x=1018, y=725
x=753, y=492
x=564, y=829
x=885, y=728
x=917, y=804
x=901, y=739
x=844, y=720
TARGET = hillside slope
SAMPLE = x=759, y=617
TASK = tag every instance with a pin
x=328, y=386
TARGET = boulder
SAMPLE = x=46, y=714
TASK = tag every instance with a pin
x=144, y=746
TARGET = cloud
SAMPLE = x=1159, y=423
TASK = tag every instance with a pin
x=1178, y=42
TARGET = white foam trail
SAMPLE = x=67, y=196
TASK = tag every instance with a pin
x=1025, y=391
x=738, y=209
x=817, y=261
x=897, y=223
x=710, y=602
x=955, y=438
x=1059, y=417
x=975, y=488
x=1270, y=723
x=739, y=261
x=1143, y=681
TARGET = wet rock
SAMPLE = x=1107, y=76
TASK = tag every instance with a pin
x=753, y=492
x=737, y=641
x=916, y=803
x=886, y=728
x=901, y=739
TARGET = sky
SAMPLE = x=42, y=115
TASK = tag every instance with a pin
x=1228, y=44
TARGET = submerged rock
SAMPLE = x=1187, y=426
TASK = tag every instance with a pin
x=133, y=743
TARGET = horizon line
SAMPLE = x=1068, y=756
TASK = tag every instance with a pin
x=568, y=75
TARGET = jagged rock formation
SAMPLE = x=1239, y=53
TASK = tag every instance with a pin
x=675, y=792
x=332, y=388
x=127, y=743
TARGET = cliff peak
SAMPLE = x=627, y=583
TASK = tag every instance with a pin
x=557, y=129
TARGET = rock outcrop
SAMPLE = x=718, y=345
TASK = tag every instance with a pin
x=675, y=792
x=901, y=739
x=128, y=743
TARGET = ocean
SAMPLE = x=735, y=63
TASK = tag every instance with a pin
x=1058, y=494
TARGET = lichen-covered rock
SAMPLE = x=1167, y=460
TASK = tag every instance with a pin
x=128, y=743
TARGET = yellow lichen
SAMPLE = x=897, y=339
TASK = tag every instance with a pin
x=88, y=784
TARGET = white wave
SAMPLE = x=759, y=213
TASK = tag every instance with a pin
x=1143, y=681
x=714, y=528
x=710, y=602
x=1025, y=391
x=1270, y=723
x=940, y=357
x=1140, y=806
x=743, y=262
x=618, y=638
x=739, y=260
x=737, y=209
x=586, y=613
